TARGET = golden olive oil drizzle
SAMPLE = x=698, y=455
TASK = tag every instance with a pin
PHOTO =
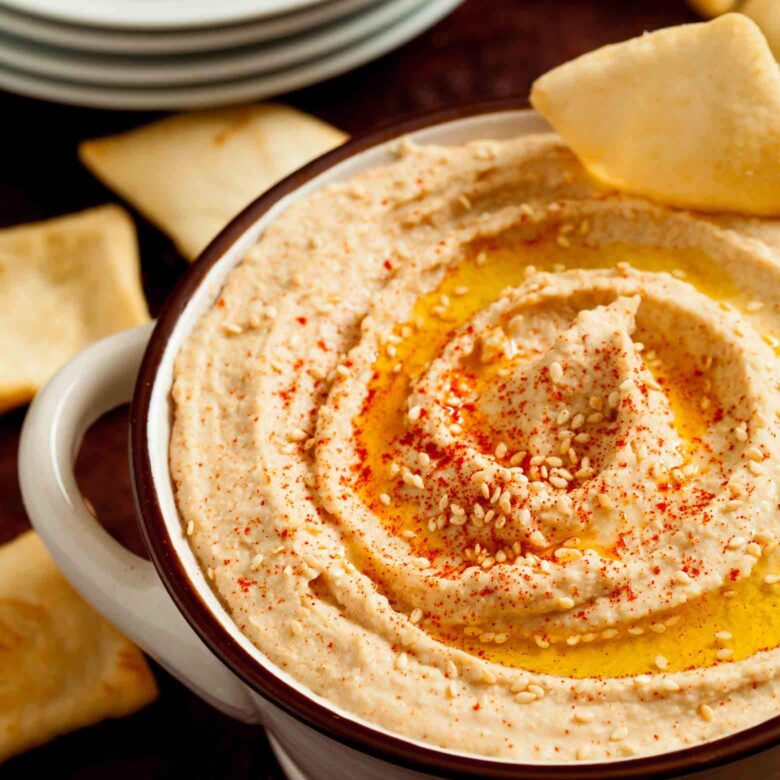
x=751, y=613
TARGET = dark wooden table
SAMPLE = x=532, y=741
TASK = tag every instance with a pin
x=486, y=49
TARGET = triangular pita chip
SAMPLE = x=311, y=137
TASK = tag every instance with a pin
x=61, y=665
x=65, y=283
x=688, y=115
x=191, y=173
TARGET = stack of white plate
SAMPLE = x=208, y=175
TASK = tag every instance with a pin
x=165, y=54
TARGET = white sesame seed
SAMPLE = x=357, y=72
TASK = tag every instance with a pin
x=706, y=712
x=567, y=554
x=604, y=501
x=416, y=615
x=661, y=662
x=296, y=434
x=682, y=578
x=618, y=734
x=565, y=602
x=724, y=654
x=556, y=372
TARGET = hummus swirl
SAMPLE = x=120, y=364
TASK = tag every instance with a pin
x=487, y=455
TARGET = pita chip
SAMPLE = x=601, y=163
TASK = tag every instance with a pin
x=712, y=8
x=64, y=283
x=689, y=115
x=191, y=173
x=61, y=665
x=766, y=14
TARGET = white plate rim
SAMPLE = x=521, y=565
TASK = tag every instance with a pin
x=156, y=14
x=226, y=93
x=103, y=70
x=135, y=43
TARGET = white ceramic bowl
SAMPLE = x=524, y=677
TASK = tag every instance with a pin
x=168, y=607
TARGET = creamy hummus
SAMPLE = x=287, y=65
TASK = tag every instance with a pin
x=488, y=456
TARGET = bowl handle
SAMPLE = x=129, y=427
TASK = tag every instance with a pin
x=119, y=584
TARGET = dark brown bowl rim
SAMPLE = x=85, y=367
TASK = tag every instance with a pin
x=354, y=734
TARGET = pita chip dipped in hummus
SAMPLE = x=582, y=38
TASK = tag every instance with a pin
x=62, y=666
x=688, y=116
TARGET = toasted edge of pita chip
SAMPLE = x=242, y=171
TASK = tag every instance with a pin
x=62, y=666
x=191, y=173
x=689, y=115
x=66, y=282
